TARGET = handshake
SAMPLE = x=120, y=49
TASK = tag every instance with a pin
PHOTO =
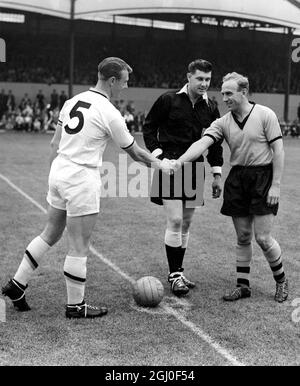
x=170, y=166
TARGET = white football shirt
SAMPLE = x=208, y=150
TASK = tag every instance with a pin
x=88, y=121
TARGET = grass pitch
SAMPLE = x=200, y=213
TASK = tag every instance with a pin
x=198, y=330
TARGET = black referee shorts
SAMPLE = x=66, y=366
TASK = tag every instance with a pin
x=245, y=191
x=187, y=184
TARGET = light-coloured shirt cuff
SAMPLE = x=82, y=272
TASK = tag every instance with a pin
x=216, y=169
x=157, y=152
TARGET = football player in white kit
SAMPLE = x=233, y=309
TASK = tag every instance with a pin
x=86, y=123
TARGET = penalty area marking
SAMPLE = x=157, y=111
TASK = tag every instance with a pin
x=169, y=310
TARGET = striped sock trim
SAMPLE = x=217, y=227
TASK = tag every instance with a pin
x=31, y=260
x=243, y=272
x=243, y=276
x=243, y=282
x=74, y=278
x=243, y=261
x=273, y=256
x=280, y=278
x=275, y=262
x=243, y=269
x=276, y=267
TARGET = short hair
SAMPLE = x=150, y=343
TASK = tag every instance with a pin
x=199, y=64
x=112, y=66
x=241, y=80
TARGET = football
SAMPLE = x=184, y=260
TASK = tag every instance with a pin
x=148, y=291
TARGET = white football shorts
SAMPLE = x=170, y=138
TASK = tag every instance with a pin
x=74, y=188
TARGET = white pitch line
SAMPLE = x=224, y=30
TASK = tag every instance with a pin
x=196, y=330
x=169, y=310
x=112, y=265
x=23, y=193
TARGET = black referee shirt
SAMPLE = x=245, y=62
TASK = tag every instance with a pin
x=173, y=124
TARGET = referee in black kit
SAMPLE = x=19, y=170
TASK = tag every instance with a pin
x=175, y=121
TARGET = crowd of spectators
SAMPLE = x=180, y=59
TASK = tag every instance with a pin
x=291, y=128
x=156, y=64
x=40, y=115
x=36, y=115
x=134, y=119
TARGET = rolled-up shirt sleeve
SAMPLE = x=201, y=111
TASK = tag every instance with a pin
x=215, y=130
x=272, y=126
x=215, y=151
x=119, y=133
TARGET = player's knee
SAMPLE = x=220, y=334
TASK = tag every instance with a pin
x=186, y=225
x=263, y=240
x=51, y=236
x=244, y=237
x=78, y=250
x=53, y=232
x=175, y=222
x=51, y=239
x=79, y=246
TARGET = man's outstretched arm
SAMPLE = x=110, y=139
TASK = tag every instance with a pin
x=195, y=150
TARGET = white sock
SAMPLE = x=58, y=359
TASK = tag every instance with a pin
x=273, y=255
x=185, y=239
x=173, y=239
x=75, y=276
x=243, y=261
x=32, y=256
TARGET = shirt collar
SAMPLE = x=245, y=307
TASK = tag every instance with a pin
x=98, y=92
x=184, y=90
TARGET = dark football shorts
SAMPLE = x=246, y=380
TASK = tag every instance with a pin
x=187, y=184
x=245, y=191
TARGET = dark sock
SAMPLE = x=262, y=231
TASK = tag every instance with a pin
x=175, y=257
x=180, y=260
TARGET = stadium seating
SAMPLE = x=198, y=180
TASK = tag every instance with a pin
x=155, y=65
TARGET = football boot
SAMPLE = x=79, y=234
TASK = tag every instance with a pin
x=84, y=310
x=17, y=294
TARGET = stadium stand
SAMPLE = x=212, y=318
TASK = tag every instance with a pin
x=38, y=53
x=159, y=65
